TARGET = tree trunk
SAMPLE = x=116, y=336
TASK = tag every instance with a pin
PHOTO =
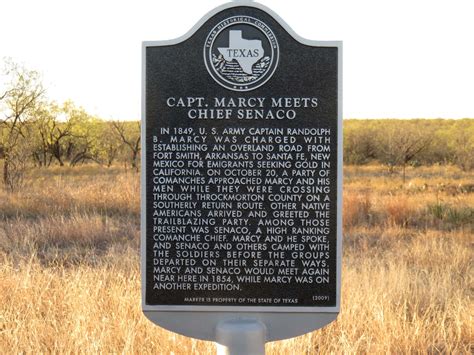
x=134, y=160
x=404, y=175
x=45, y=157
x=6, y=164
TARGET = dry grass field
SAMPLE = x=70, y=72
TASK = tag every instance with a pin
x=69, y=267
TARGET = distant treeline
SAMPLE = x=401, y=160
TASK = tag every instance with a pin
x=37, y=132
x=410, y=142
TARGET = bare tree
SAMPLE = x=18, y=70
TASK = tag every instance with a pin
x=110, y=143
x=360, y=144
x=403, y=143
x=58, y=138
x=129, y=133
x=44, y=122
x=461, y=144
x=23, y=92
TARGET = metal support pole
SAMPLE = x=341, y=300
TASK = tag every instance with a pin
x=240, y=337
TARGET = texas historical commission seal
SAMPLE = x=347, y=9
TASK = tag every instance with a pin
x=241, y=53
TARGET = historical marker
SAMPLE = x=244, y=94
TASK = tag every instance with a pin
x=241, y=177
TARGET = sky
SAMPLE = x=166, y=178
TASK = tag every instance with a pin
x=402, y=59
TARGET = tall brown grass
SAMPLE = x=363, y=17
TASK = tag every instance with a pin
x=69, y=267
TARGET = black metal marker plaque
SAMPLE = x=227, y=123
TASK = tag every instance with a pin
x=242, y=168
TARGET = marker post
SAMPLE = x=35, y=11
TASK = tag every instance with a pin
x=240, y=337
